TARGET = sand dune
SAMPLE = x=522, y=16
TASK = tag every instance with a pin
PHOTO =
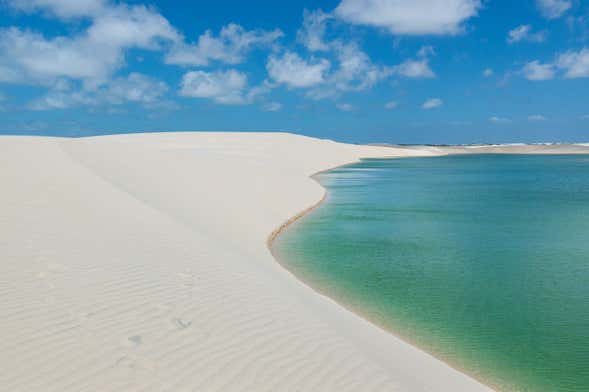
x=140, y=263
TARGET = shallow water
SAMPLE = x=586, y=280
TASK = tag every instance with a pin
x=482, y=260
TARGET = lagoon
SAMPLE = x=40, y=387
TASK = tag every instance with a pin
x=481, y=260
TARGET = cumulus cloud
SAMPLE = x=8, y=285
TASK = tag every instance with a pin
x=91, y=55
x=356, y=72
x=525, y=33
x=415, y=69
x=342, y=67
x=225, y=87
x=426, y=51
x=290, y=69
x=574, y=64
x=135, y=87
x=312, y=33
x=419, y=67
x=391, y=105
x=552, y=9
x=410, y=17
x=272, y=107
x=230, y=46
x=534, y=70
x=80, y=68
x=56, y=99
x=536, y=117
x=499, y=120
x=131, y=26
x=62, y=8
x=488, y=72
x=432, y=103
x=29, y=57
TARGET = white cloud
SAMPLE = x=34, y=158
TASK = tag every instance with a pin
x=432, y=103
x=391, y=105
x=536, y=117
x=272, y=107
x=488, y=72
x=230, y=47
x=524, y=33
x=415, y=69
x=575, y=64
x=225, y=87
x=312, y=33
x=499, y=120
x=292, y=70
x=426, y=51
x=410, y=17
x=345, y=107
x=56, y=99
x=135, y=87
x=552, y=9
x=356, y=72
x=572, y=64
x=131, y=26
x=534, y=70
x=28, y=57
x=343, y=66
x=91, y=55
x=62, y=8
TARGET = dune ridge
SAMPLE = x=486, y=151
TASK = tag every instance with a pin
x=140, y=263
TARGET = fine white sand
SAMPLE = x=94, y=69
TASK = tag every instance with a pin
x=140, y=263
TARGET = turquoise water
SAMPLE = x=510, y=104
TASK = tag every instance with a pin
x=481, y=260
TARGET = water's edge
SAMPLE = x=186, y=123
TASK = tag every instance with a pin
x=275, y=234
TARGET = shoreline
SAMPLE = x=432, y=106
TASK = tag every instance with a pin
x=273, y=237
x=127, y=255
x=296, y=219
x=276, y=233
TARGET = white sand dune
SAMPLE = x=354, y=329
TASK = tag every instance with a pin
x=140, y=263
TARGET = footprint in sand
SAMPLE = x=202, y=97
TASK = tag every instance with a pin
x=179, y=323
x=132, y=341
x=135, y=363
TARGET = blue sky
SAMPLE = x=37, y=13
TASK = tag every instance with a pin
x=400, y=71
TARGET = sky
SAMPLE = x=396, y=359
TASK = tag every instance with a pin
x=361, y=71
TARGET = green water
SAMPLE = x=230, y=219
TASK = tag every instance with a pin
x=481, y=260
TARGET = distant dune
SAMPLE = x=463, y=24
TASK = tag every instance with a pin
x=140, y=262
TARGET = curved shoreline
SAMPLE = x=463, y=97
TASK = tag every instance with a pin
x=287, y=224
x=276, y=232
x=144, y=260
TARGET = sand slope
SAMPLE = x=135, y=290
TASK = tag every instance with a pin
x=139, y=263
